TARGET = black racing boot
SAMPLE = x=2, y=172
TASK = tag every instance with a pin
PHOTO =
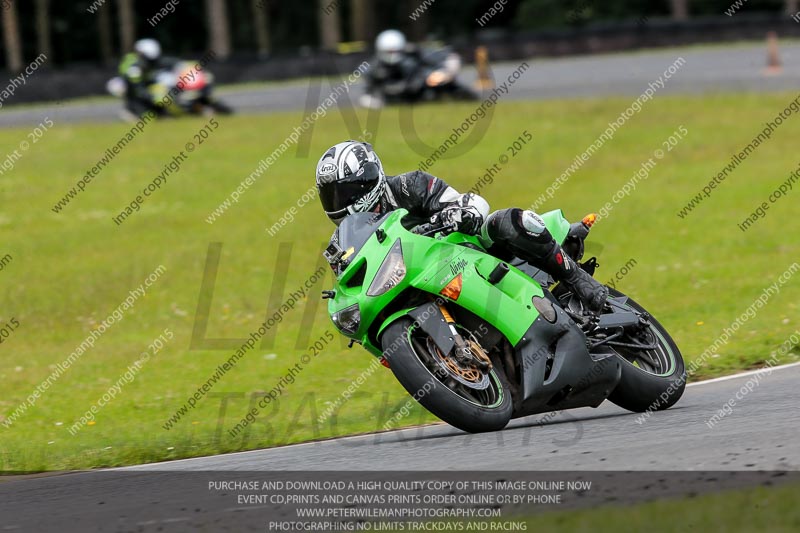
x=561, y=266
x=525, y=234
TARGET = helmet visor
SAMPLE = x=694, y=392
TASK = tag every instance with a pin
x=337, y=196
x=391, y=57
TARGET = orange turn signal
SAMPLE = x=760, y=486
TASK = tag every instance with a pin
x=590, y=219
x=453, y=289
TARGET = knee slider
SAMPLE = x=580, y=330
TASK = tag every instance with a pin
x=532, y=223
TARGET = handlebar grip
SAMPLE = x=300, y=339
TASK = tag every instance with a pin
x=422, y=229
x=430, y=229
x=450, y=228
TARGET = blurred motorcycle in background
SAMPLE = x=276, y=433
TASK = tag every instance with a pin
x=420, y=76
x=178, y=91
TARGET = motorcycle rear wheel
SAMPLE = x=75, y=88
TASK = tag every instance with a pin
x=414, y=366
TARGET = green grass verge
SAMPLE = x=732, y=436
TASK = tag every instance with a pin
x=757, y=509
x=72, y=269
x=771, y=509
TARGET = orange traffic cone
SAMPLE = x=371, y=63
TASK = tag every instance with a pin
x=774, y=65
x=485, y=80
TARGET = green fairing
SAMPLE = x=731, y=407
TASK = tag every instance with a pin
x=431, y=263
x=127, y=62
x=556, y=224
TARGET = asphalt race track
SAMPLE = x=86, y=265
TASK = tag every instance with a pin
x=755, y=444
x=762, y=433
x=737, y=67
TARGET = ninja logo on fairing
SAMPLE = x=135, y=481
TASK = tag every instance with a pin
x=458, y=266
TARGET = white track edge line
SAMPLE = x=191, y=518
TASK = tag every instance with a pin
x=743, y=374
x=706, y=382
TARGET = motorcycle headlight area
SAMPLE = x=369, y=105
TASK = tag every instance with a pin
x=347, y=320
x=437, y=77
x=391, y=272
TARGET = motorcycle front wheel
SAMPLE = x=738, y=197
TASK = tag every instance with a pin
x=465, y=397
x=652, y=379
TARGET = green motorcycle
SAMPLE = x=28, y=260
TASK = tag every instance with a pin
x=477, y=340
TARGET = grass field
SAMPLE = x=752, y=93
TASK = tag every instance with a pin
x=771, y=509
x=70, y=270
x=759, y=509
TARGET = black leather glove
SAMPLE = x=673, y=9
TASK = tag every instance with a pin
x=465, y=219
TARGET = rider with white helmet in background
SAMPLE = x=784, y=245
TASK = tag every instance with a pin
x=397, y=67
x=350, y=179
x=390, y=47
x=138, y=69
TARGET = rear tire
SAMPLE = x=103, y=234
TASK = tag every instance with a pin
x=642, y=390
x=458, y=411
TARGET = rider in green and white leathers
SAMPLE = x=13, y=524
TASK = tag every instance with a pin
x=138, y=69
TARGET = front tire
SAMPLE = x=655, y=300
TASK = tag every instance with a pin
x=653, y=380
x=463, y=93
x=412, y=364
x=221, y=107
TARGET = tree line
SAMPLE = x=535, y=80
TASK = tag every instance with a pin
x=99, y=31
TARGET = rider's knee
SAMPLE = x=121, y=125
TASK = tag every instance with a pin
x=506, y=225
x=499, y=226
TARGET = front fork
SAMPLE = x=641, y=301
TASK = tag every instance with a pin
x=464, y=353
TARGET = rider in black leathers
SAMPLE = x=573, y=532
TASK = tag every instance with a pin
x=398, y=70
x=350, y=179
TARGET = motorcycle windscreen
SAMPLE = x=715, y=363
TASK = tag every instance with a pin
x=353, y=233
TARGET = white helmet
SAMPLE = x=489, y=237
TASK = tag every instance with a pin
x=148, y=49
x=389, y=46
